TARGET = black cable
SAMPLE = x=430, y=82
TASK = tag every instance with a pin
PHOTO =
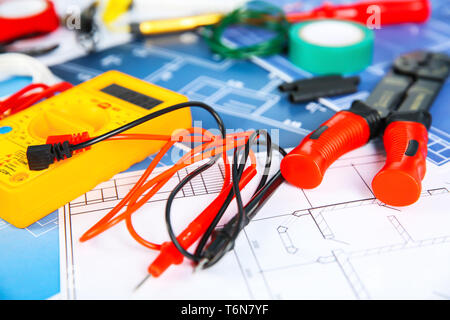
x=170, y=200
x=191, y=175
x=237, y=167
x=242, y=216
x=238, y=173
x=40, y=157
x=225, y=237
x=154, y=115
x=196, y=256
x=236, y=178
x=43, y=155
x=223, y=240
x=149, y=117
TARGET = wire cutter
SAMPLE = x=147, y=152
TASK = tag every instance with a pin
x=397, y=109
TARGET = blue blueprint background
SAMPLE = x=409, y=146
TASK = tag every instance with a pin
x=246, y=96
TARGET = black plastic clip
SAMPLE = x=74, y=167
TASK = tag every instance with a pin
x=304, y=90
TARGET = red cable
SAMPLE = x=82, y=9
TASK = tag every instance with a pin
x=143, y=191
x=25, y=98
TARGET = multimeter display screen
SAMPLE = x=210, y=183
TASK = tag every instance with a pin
x=131, y=96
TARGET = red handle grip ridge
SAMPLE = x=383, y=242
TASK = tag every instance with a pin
x=398, y=183
x=306, y=164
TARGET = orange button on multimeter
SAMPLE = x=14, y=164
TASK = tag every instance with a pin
x=96, y=106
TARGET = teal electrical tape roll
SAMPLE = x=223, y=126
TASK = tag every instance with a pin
x=330, y=46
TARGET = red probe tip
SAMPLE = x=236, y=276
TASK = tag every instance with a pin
x=396, y=187
x=301, y=171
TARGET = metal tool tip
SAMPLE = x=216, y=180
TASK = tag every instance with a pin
x=200, y=264
x=142, y=282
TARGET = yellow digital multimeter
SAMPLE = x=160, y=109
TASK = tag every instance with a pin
x=99, y=105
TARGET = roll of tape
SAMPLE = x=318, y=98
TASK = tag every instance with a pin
x=330, y=46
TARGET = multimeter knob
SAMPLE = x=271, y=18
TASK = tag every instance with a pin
x=68, y=119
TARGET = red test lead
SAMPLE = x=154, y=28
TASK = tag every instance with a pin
x=169, y=254
x=388, y=11
x=28, y=96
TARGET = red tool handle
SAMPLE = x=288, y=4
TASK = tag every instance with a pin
x=305, y=165
x=399, y=182
x=390, y=11
x=42, y=22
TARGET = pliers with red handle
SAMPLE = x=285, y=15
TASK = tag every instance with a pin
x=398, y=109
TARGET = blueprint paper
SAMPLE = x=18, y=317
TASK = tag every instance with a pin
x=34, y=251
x=333, y=242
x=246, y=93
